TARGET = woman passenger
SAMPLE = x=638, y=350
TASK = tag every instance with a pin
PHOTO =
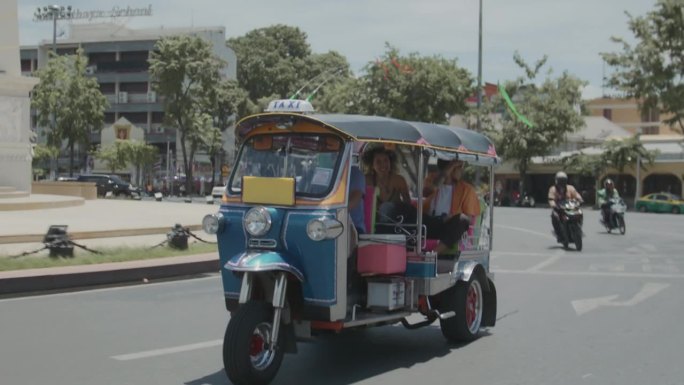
x=389, y=188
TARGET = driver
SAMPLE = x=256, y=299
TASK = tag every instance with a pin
x=560, y=191
x=605, y=195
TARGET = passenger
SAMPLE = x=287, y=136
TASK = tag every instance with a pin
x=381, y=172
x=451, y=204
x=393, y=201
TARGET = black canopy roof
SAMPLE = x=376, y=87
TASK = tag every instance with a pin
x=380, y=129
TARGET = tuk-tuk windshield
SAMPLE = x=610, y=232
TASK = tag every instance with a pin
x=311, y=159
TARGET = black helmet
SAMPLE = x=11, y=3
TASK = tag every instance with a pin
x=608, y=183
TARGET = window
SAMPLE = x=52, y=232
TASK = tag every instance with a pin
x=109, y=117
x=133, y=87
x=311, y=159
x=25, y=65
x=107, y=88
x=650, y=130
x=157, y=117
x=134, y=56
x=136, y=117
x=650, y=115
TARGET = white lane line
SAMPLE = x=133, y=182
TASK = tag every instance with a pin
x=589, y=274
x=129, y=286
x=545, y=235
x=172, y=350
x=521, y=253
x=550, y=261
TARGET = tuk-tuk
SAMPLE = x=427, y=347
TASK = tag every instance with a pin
x=293, y=266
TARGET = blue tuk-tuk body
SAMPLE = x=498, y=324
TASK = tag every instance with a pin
x=289, y=250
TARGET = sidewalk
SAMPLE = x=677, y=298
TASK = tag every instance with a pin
x=102, y=223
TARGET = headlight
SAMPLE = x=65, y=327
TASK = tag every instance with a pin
x=257, y=221
x=319, y=229
x=212, y=223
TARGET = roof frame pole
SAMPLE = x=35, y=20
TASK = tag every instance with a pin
x=491, y=210
x=419, y=206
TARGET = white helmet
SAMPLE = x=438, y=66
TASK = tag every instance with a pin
x=561, y=176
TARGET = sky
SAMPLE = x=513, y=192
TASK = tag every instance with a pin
x=571, y=33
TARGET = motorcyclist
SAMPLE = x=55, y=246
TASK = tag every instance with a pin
x=560, y=191
x=605, y=195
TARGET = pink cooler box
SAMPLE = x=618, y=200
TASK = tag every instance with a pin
x=381, y=254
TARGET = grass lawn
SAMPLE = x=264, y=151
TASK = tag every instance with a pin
x=83, y=257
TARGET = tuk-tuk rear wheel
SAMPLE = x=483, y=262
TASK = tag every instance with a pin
x=467, y=301
x=247, y=358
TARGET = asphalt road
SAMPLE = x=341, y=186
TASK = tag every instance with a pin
x=607, y=315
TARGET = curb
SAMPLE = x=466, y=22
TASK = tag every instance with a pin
x=68, y=277
x=31, y=238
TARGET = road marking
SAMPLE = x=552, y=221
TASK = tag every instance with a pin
x=550, y=261
x=172, y=350
x=584, y=306
x=589, y=274
x=545, y=235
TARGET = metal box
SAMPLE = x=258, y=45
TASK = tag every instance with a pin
x=386, y=293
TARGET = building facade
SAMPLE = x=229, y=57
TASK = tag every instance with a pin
x=626, y=114
x=118, y=59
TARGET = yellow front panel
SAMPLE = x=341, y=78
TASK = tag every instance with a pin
x=272, y=191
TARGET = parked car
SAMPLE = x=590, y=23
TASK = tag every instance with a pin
x=217, y=191
x=113, y=183
x=660, y=203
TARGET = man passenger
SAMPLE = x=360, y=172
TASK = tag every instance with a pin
x=451, y=204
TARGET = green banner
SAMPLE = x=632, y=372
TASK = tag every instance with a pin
x=511, y=106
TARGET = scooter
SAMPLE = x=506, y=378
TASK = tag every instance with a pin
x=571, y=218
x=616, y=216
x=527, y=201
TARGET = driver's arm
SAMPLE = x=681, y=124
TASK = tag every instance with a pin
x=552, y=197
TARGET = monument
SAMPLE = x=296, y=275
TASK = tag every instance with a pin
x=15, y=128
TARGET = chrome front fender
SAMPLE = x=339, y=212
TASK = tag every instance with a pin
x=259, y=261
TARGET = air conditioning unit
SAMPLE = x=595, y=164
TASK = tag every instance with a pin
x=123, y=97
x=151, y=97
x=90, y=70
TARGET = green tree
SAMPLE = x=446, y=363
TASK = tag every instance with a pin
x=619, y=154
x=68, y=102
x=652, y=71
x=113, y=155
x=409, y=87
x=269, y=58
x=550, y=107
x=42, y=154
x=212, y=143
x=141, y=156
x=184, y=71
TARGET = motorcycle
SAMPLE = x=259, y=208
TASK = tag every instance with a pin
x=571, y=219
x=616, y=216
x=526, y=201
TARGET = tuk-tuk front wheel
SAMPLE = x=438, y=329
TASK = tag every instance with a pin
x=247, y=357
x=466, y=300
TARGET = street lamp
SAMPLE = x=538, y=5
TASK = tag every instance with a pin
x=53, y=12
x=479, y=72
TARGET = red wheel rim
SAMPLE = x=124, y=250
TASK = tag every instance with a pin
x=471, y=306
x=256, y=345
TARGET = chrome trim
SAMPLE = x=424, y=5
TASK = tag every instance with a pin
x=246, y=256
x=245, y=288
x=257, y=243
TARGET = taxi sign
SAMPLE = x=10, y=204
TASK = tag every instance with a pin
x=289, y=105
